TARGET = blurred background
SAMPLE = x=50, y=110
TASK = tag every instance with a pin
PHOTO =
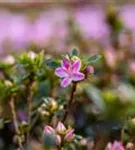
x=57, y=26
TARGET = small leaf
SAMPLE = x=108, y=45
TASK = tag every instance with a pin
x=74, y=52
x=52, y=64
x=1, y=123
x=93, y=59
x=95, y=96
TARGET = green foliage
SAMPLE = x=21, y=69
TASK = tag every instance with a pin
x=74, y=52
x=49, y=141
x=53, y=64
x=33, y=76
x=93, y=59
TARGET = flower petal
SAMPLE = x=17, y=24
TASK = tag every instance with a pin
x=65, y=63
x=76, y=66
x=49, y=130
x=61, y=72
x=77, y=76
x=66, y=81
x=60, y=128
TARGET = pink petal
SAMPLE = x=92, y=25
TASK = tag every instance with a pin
x=49, y=130
x=65, y=63
x=61, y=72
x=69, y=135
x=66, y=81
x=76, y=66
x=117, y=146
x=60, y=127
x=77, y=76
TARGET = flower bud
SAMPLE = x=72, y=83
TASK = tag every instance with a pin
x=66, y=57
x=89, y=69
x=60, y=128
x=43, y=106
x=74, y=58
x=115, y=145
x=10, y=60
x=133, y=121
x=24, y=123
x=58, y=140
x=109, y=146
x=53, y=105
x=49, y=130
x=69, y=135
x=8, y=83
x=129, y=146
x=32, y=54
x=44, y=113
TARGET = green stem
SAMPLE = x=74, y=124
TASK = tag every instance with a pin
x=29, y=103
x=70, y=102
x=12, y=107
x=123, y=130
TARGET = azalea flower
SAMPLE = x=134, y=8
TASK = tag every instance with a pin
x=69, y=71
x=49, y=130
x=60, y=128
x=115, y=146
x=69, y=135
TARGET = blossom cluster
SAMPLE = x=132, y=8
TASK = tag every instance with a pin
x=61, y=133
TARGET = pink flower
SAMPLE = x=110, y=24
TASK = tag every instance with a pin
x=49, y=130
x=60, y=128
x=58, y=140
x=132, y=66
x=69, y=135
x=115, y=146
x=69, y=72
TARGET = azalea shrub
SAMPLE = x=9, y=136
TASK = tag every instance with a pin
x=64, y=102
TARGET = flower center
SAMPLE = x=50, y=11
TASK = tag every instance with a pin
x=70, y=71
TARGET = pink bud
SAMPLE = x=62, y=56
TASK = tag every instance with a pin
x=130, y=146
x=132, y=66
x=49, y=130
x=115, y=146
x=109, y=146
x=60, y=128
x=110, y=57
x=69, y=135
x=58, y=140
x=90, y=69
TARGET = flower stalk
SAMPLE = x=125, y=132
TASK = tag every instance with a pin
x=29, y=103
x=12, y=107
x=70, y=101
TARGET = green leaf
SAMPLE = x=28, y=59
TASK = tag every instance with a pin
x=49, y=141
x=74, y=52
x=52, y=64
x=1, y=123
x=93, y=59
x=95, y=96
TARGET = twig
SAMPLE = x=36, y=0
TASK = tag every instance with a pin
x=70, y=101
x=29, y=103
x=59, y=147
x=12, y=106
